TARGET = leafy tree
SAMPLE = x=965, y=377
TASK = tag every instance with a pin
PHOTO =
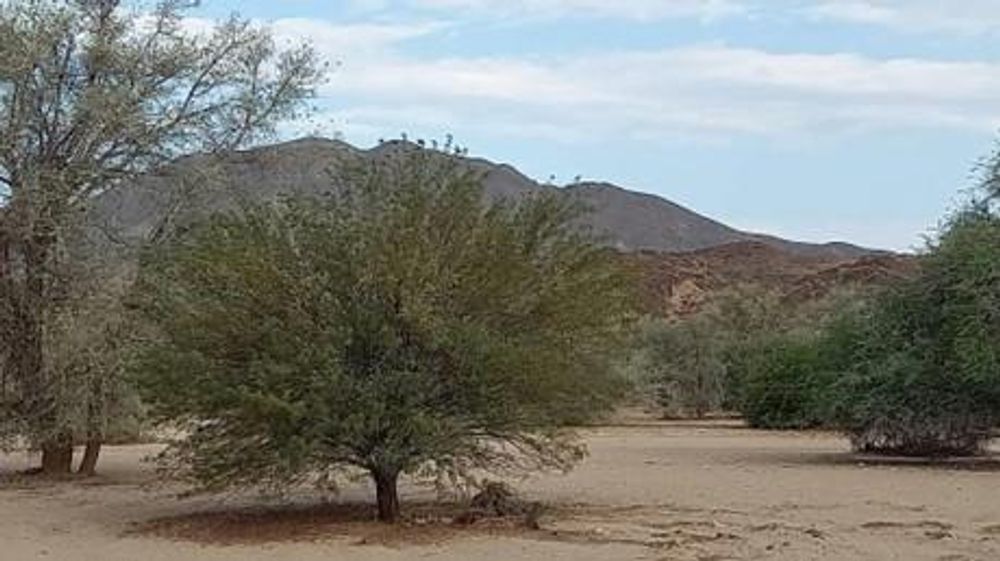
x=91, y=94
x=401, y=326
x=699, y=364
x=925, y=374
x=912, y=370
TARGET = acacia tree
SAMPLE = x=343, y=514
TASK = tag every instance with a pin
x=92, y=94
x=403, y=326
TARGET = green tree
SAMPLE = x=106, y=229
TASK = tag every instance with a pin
x=699, y=364
x=402, y=326
x=925, y=372
x=91, y=94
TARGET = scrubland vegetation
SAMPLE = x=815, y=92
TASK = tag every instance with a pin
x=910, y=369
x=400, y=326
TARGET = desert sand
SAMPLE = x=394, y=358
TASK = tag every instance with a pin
x=658, y=491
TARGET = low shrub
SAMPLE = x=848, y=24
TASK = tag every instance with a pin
x=684, y=365
x=785, y=383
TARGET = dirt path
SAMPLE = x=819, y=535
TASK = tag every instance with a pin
x=669, y=492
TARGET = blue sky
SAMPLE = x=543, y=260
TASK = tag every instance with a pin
x=856, y=120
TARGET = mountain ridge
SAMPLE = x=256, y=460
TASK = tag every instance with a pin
x=630, y=220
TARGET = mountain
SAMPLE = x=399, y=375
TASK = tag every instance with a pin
x=630, y=221
x=641, y=221
x=682, y=259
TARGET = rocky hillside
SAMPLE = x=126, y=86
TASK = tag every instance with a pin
x=681, y=283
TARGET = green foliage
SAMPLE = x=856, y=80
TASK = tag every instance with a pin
x=914, y=370
x=745, y=318
x=699, y=365
x=684, y=364
x=93, y=93
x=786, y=382
x=402, y=326
x=925, y=376
x=751, y=352
x=784, y=377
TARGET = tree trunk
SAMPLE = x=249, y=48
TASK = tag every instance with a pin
x=95, y=432
x=57, y=456
x=387, y=495
x=57, y=451
x=88, y=466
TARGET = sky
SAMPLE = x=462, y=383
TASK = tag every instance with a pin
x=818, y=120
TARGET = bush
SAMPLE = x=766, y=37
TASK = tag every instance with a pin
x=691, y=366
x=897, y=407
x=749, y=352
x=684, y=365
x=914, y=371
x=924, y=375
x=784, y=384
x=745, y=318
x=787, y=379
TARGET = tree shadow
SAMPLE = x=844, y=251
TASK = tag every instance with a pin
x=989, y=462
x=426, y=523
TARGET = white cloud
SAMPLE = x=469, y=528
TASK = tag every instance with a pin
x=623, y=9
x=356, y=39
x=953, y=16
x=950, y=16
x=706, y=91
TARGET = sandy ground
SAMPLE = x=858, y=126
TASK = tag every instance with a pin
x=656, y=492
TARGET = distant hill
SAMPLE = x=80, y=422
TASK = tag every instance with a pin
x=629, y=220
x=641, y=221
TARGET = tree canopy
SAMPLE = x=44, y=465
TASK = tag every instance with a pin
x=92, y=93
x=925, y=361
x=402, y=325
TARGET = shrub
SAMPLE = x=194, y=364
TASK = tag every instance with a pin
x=924, y=378
x=684, y=365
x=784, y=383
x=787, y=379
